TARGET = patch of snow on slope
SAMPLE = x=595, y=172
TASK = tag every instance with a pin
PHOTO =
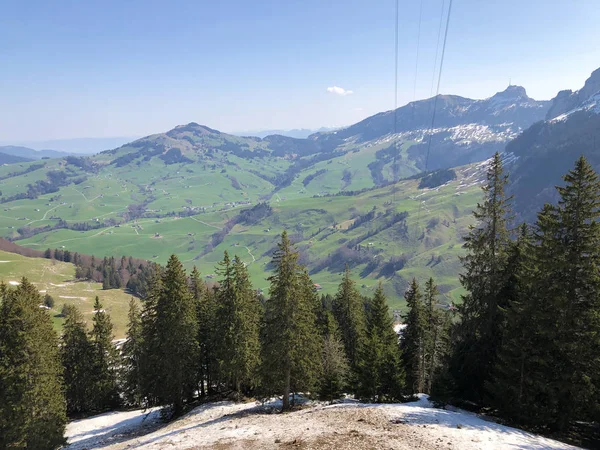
x=249, y=425
x=466, y=430
x=592, y=105
x=97, y=430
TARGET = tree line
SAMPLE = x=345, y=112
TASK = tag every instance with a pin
x=114, y=273
x=187, y=342
x=525, y=343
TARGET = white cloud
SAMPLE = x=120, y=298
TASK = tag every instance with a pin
x=356, y=109
x=339, y=91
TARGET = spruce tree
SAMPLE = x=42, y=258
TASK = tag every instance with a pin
x=510, y=386
x=434, y=347
x=290, y=340
x=105, y=362
x=32, y=402
x=307, y=367
x=77, y=352
x=208, y=333
x=348, y=309
x=413, y=339
x=131, y=355
x=238, y=319
x=568, y=280
x=336, y=369
x=175, y=345
x=478, y=333
x=149, y=357
x=382, y=371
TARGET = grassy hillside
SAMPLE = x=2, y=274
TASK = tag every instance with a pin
x=57, y=279
x=188, y=191
x=427, y=242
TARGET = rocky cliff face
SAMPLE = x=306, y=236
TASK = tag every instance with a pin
x=548, y=149
x=568, y=100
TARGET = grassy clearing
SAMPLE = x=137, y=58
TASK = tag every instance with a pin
x=57, y=279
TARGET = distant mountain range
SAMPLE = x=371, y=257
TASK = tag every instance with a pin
x=464, y=130
x=29, y=154
x=298, y=133
x=373, y=150
x=87, y=146
x=11, y=159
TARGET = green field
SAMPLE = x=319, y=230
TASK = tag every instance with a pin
x=149, y=209
x=57, y=279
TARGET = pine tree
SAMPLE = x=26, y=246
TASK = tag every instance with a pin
x=348, y=309
x=105, y=360
x=208, y=334
x=77, y=352
x=246, y=355
x=413, y=339
x=336, y=369
x=32, y=402
x=307, y=367
x=510, y=386
x=149, y=358
x=568, y=281
x=382, y=372
x=131, y=355
x=434, y=347
x=224, y=313
x=478, y=333
x=290, y=341
x=176, y=345
x=238, y=319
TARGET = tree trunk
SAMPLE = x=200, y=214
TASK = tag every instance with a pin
x=286, y=390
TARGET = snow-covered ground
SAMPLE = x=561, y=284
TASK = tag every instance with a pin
x=415, y=425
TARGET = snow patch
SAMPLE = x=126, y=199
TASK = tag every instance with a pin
x=14, y=283
x=592, y=105
x=233, y=424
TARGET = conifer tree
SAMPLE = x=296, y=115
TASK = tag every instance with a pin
x=434, y=330
x=208, y=334
x=32, y=402
x=348, y=309
x=514, y=372
x=382, y=372
x=198, y=292
x=568, y=281
x=150, y=341
x=478, y=333
x=307, y=367
x=131, y=355
x=77, y=352
x=176, y=345
x=413, y=339
x=105, y=392
x=238, y=316
x=290, y=341
x=336, y=369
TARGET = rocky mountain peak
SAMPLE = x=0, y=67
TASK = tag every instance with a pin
x=568, y=100
x=512, y=92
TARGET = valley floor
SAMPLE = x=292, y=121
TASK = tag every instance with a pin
x=227, y=425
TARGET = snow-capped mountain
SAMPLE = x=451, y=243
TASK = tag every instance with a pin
x=549, y=148
x=464, y=130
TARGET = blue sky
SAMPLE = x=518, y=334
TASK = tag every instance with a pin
x=131, y=67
